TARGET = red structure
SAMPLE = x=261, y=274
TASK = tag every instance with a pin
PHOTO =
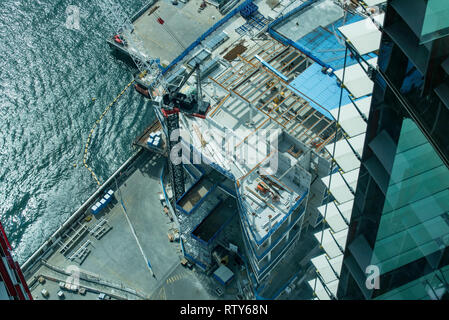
x=12, y=283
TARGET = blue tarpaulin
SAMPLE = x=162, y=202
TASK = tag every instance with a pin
x=321, y=89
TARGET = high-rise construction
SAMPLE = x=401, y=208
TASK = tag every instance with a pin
x=275, y=175
x=388, y=238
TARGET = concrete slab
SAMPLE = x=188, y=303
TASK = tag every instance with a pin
x=116, y=258
x=183, y=24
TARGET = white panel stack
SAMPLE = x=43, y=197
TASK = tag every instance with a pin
x=337, y=214
x=350, y=119
x=364, y=35
x=340, y=183
x=344, y=154
x=324, y=268
x=356, y=80
x=333, y=239
x=332, y=242
x=320, y=291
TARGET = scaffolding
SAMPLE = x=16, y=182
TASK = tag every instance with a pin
x=267, y=92
x=341, y=183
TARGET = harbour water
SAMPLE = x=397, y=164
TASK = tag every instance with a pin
x=50, y=72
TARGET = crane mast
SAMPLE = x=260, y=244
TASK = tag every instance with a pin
x=172, y=101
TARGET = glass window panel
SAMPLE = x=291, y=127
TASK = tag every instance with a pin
x=413, y=214
x=414, y=220
x=436, y=20
x=419, y=288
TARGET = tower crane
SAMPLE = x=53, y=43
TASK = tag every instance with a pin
x=172, y=101
x=150, y=68
x=171, y=104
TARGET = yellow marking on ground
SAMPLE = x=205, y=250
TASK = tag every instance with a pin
x=93, y=129
x=175, y=278
x=163, y=294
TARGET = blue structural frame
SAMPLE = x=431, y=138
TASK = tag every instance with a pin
x=272, y=69
x=197, y=205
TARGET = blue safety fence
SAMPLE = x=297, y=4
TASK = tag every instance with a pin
x=188, y=256
x=290, y=42
x=198, y=204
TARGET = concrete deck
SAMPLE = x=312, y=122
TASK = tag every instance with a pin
x=115, y=258
x=182, y=20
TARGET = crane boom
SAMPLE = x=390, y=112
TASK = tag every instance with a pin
x=172, y=101
x=149, y=67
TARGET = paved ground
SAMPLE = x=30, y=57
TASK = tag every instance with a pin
x=53, y=288
x=116, y=256
x=183, y=20
x=181, y=284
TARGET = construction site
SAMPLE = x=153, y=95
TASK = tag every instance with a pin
x=269, y=105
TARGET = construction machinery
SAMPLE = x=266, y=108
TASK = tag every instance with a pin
x=171, y=104
x=151, y=75
x=150, y=68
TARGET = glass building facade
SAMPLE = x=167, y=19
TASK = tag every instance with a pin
x=400, y=217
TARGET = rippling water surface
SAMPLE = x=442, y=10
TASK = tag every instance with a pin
x=49, y=75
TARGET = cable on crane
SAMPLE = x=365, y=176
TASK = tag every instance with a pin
x=97, y=122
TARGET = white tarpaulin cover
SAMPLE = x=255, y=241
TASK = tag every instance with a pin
x=350, y=119
x=364, y=35
x=344, y=155
x=356, y=80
